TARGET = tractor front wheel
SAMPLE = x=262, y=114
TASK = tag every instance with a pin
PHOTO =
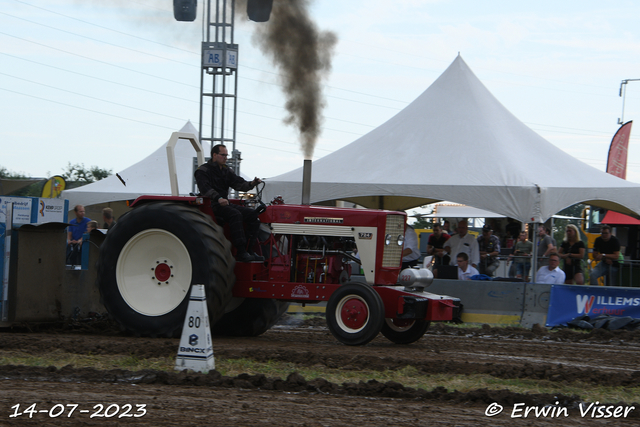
x=355, y=314
x=404, y=331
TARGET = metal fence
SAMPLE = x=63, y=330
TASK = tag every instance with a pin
x=627, y=274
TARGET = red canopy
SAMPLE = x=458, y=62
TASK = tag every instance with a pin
x=615, y=218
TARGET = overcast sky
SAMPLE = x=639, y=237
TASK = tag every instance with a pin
x=105, y=83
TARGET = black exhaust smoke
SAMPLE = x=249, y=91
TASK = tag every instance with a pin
x=303, y=55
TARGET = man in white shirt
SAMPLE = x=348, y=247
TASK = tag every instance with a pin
x=463, y=242
x=411, y=251
x=551, y=274
x=465, y=271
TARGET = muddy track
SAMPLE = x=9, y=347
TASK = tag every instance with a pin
x=598, y=358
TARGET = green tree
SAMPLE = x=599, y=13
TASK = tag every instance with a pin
x=422, y=223
x=83, y=175
x=559, y=225
x=7, y=174
x=99, y=173
x=33, y=190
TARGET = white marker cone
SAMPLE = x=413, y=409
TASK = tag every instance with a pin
x=196, y=351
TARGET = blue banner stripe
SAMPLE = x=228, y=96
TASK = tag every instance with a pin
x=570, y=301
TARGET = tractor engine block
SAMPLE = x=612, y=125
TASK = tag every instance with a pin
x=322, y=259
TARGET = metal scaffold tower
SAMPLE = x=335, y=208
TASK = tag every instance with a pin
x=219, y=78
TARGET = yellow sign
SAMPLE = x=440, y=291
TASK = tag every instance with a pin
x=53, y=187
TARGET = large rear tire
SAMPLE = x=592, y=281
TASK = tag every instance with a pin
x=404, y=331
x=149, y=261
x=355, y=314
x=253, y=317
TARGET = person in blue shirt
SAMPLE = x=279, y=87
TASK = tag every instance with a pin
x=75, y=231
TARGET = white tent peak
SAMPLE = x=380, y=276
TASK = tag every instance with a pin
x=149, y=176
x=457, y=142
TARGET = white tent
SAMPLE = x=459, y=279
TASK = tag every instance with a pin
x=148, y=176
x=493, y=161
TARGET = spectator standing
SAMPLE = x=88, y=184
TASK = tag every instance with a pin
x=522, y=252
x=463, y=242
x=551, y=274
x=465, y=271
x=606, y=249
x=92, y=225
x=572, y=252
x=489, y=247
x=446, y=228
x=107, y=216
x=512, y=229
x=411, y=249
x=75, y=231
x=546, y=245
x=435, y=245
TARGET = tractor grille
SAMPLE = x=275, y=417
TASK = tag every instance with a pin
x=392, y=254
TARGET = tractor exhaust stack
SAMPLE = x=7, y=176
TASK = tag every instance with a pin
x=306, y=182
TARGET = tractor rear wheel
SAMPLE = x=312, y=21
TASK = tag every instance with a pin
x=404, y=331
x=355, y=314
x=150, y=259
x=252, y=317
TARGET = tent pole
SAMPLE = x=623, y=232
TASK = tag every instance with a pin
x=534, y=261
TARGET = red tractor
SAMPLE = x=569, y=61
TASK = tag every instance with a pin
x=165, y=244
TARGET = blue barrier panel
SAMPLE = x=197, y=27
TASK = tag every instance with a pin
x=570, y=301
x=2, y=267
x=86, y=238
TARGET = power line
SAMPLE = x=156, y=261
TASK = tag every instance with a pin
x=184, y=50
x=159, y=93
x=101, y=41
x=99, y=61
x=242, y=77
x=277, y=74
x=85, y=109
x=173, y=81
x=148, y=111
x=144, y=122
x=99, y=78
x=105, y=28
x=90, y=97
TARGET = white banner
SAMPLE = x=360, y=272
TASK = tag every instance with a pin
x=50, y=210
x=21, y=209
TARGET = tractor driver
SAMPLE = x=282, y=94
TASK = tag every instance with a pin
x=214, y=179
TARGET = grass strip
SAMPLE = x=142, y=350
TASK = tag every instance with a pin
x=409, y=376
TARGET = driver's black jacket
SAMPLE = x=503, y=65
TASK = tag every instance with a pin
x=214, y=181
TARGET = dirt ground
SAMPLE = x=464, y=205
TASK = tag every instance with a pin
x=187, y=399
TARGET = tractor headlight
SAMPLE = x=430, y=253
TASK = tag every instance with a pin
x=400, y=240
x=387, y=239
